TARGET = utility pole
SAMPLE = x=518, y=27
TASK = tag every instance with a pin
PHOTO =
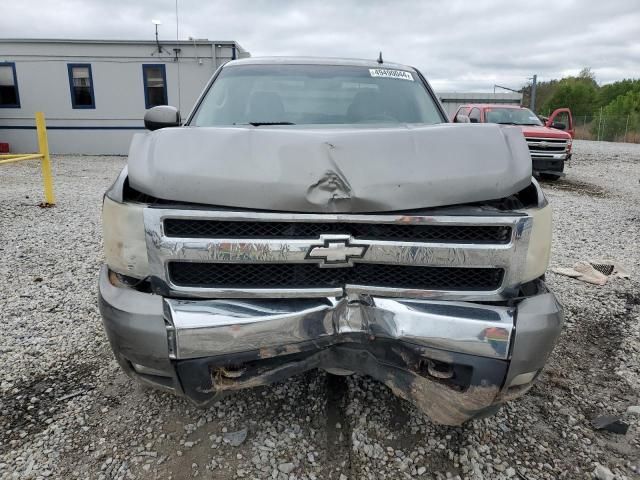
x=534, y=85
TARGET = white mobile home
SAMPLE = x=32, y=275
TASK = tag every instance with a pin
x=451, y=101
x=94, y=93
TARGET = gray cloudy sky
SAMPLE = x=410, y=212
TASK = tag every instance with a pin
x=459, y=45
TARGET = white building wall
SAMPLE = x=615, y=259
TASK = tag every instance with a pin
x=116, y=67
x=451, y=101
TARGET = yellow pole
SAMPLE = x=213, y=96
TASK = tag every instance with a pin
x=15, y=155
x=18, y=158
x=43, y=147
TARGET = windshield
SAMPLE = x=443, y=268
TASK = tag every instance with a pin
x=511, y=116
x=315, y=94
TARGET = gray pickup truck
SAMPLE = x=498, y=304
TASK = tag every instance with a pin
x=323, y=213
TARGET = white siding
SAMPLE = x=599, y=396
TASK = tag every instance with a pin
x=452, y=100
x=43, y=84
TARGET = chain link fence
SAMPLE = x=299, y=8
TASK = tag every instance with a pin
x=610, y=128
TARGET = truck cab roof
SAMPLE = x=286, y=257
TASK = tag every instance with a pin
x=317, y=61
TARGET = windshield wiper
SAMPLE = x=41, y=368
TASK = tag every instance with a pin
x=257, y=124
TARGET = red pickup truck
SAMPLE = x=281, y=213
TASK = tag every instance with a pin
x=549, y=142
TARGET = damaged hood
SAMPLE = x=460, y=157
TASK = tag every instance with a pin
x=326, y=170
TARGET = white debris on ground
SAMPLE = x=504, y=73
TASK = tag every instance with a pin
x=595, y=272
x=67, y=411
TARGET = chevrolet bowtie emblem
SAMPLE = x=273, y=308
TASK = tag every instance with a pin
x=336, y=251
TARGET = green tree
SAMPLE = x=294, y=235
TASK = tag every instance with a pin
x=618, y=117
x=610, y=109
x=608, y=93
x=587, y=76
x=577, y=93
x=546, y=91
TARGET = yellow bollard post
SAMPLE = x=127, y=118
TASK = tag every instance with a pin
x=43, y=147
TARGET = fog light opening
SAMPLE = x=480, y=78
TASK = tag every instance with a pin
x=148, y=371
x=523, y=379
x=436, y=369
x=124, y=281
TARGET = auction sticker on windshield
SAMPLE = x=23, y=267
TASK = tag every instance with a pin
x=386, y=73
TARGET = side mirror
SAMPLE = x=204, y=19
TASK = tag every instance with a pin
x=559, y=126
x=462, y=119
x=162, y=116
x=473, y=120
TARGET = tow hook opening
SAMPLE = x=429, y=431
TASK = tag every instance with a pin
x=436, y=369
x=231, y=372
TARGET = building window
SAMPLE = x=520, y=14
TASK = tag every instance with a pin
x=155, y=85
x=81, y=85
x=9, y=97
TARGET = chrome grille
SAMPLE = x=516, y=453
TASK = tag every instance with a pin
x=292, y=275
x=227, y=254
x=185, y=228
x=541, y=146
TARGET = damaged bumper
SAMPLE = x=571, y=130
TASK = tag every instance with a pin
x=454, y=360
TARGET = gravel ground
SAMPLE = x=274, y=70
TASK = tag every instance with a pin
x=67, y=411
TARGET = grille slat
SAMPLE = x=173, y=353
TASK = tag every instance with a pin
x=281, y=275
x=552, y=145
x=190, y=228
x=536, y=148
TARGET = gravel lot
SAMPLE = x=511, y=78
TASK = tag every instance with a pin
x=67, y=411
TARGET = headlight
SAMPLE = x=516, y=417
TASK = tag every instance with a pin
x=539, y=244
x=125, y=248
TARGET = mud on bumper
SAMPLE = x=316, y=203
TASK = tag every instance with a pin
x=454, y=360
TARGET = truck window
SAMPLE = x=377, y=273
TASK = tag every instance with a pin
x=511, y=116
x=474, y=115
x=563, y=118
x=461, y=111
x=316, y=94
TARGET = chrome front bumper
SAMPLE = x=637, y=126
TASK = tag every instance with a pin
x=454, y=360
x=552, y=163
x=549, y=156
x=201, y=328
